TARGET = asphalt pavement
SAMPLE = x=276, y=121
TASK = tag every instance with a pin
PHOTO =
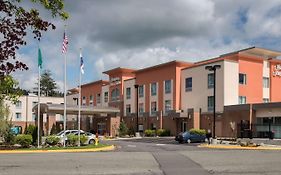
x=146, y=156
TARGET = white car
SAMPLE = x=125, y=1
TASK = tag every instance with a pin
x=91, y=137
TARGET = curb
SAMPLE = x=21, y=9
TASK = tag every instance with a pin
x=238, y=147
x=107, y=148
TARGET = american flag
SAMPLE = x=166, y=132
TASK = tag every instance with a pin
x=64, y=43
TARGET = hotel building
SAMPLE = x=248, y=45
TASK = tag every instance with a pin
x=179, y=95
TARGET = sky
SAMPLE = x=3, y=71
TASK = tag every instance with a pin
x=137, y=34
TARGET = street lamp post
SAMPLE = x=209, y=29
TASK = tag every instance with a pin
x=214, y=68
x=137, y=108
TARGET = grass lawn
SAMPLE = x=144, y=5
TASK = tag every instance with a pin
x=92, y=146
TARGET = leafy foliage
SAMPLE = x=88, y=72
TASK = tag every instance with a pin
x=5, y=124
x=9, y=89
x=24, y=140
x=83, y=139
x=52, y=140
x=32, y=130
x=198, y=131
x=163, y=132
x=15, y=22
x=123, y=129
x=149, y=133
x=72, y=139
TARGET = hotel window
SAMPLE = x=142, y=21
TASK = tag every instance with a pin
x=141, y=109
x=266, y=100
x=18, y=115
x=210, y=80
x=210, y=103
x=265, y=82
x=106, y=97
x=153, y=108
x=188, y=84
x=91, y=99
x=98, y=98
x=141, y=88
x=18, y=104
x=242, y=100
x=128, y=93
x=115, y=94
x=128, y=110
x=153, y=89
x=83, y=100
x=242, y=78
x=168, y=84
x=167, y=105
x=33, y=116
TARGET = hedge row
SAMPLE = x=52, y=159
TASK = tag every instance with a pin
x=159, y=132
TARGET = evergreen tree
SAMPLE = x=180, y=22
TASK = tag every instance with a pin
x=48, y=86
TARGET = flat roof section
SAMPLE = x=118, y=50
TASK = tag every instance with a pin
x=73, y=109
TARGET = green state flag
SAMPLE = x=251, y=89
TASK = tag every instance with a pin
x=39, y=58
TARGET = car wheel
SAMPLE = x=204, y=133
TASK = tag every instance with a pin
x=188, y=141
x=92, y=141
x=180, y=141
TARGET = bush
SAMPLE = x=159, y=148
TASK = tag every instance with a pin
x=131, y=131
x=52, y=140
x=72, y=139
x=198, y=131
x=24, y=140
x=163, y=132
x=123, y=130
x=32, y=130
x=83, y=139
x=149, y=133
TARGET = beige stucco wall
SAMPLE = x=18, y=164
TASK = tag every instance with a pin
x=27, y=105
x=230, y=83
x=132, y=101
x=168, y=96
x=154, y=98
x=274, y=112
x=198, y=97
x=103, y=90
x=266, y=73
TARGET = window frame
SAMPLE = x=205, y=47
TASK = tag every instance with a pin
x=244, y=78
x=152, y=93
x=168, y=90
x=128, y=93
x=188, y=88
x=211, y=80
x=210, y=103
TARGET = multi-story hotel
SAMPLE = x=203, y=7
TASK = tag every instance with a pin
x=178, y=95
x=22, y=115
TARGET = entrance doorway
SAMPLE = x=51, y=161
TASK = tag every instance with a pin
x=183, y=126
x=101, y=128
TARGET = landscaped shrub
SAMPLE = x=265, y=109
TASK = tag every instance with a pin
x=52, y=140
x=83, y=139
x=32, y=130
x=24, y=140
x=131, y=131
x=149, y=133
x=123, y=129
x=198, y=131
x=163, y=132
x=72, y=139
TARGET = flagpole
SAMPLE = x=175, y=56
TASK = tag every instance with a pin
x=38, y=115
x=64, y=111
x=79, y=102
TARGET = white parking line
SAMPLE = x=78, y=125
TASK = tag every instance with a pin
x=160, y=144
x=133, y=146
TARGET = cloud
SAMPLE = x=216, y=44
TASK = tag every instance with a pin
x=137, y=34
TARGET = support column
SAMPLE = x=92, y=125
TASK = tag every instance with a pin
x=161, y=120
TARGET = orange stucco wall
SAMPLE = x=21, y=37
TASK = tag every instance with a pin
x=253, y=90
x=275, y=84
x=91, y=89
